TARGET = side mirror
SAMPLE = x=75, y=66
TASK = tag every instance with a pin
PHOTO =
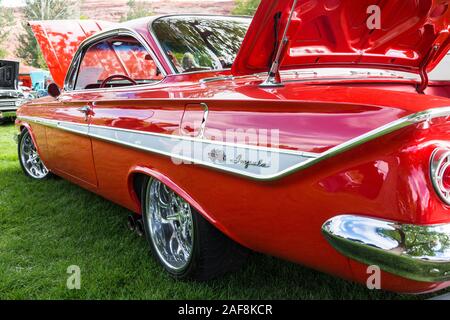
x=53, y=90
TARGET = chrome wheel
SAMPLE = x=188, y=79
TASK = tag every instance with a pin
x=170, y=224
x=30, y=159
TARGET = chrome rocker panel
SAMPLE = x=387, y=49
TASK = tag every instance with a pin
x=420, y=253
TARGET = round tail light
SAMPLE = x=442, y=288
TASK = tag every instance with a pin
x=440, y=173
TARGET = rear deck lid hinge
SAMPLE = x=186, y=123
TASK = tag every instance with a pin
x=274, y=78
x=424, y=79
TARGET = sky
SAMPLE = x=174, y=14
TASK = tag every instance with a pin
x=13, y=3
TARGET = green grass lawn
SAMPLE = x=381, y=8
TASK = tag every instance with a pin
x=47, y=226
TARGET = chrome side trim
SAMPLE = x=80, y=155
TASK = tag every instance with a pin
x=261, y=163
x=371, y=135
x=420, y=253
x=245, y=160
x=54, y=123
x=80, y=128
x=252, y=163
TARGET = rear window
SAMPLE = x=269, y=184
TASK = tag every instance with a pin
x=200, y=43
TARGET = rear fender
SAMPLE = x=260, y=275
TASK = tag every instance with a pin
x=154, y=173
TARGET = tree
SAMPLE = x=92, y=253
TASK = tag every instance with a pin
x=136, y=9
x=28, y=48
x=246, y=7
x=6, y=21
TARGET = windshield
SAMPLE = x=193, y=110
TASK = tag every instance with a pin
x=200, y=43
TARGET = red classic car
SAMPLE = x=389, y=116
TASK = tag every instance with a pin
x=311, y=133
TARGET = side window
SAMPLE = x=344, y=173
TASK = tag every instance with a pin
x=120, y=56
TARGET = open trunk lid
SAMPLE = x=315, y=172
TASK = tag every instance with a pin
x=403, y=35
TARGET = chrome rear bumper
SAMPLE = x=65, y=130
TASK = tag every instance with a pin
x=414, y=252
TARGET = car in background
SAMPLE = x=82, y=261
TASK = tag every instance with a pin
x=11, y=97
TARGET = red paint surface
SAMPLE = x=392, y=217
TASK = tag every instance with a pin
x=26, y=80
x=386, y=178
x=59, y=40
x=335, y=32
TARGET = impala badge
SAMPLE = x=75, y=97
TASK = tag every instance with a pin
x=247, y=163
x=219, y=156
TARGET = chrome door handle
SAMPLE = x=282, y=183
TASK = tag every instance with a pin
x=87, y=110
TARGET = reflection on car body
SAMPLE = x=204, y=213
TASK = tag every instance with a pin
x=328, y=147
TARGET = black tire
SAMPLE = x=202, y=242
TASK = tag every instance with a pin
x=23, y=135
x=213, y=253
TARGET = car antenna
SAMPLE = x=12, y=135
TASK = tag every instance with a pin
x=273, y=78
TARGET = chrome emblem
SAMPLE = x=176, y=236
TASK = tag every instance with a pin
x=217, y=156
x=247, y=163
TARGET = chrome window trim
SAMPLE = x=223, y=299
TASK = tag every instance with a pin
x=122, y=31
x=160, y=48
x=309, y=158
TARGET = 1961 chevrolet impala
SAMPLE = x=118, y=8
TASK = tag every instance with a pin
x=309, y=133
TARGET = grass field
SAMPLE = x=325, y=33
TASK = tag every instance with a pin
x=47, y=226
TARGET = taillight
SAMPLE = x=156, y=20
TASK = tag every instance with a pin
x=440, y=173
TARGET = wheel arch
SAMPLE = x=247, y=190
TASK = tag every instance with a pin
x=135, y=180
x=24, y=125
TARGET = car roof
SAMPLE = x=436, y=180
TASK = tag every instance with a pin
x=140, y=22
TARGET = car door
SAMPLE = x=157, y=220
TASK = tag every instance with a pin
x=69, y=145
x=122, y=81
x=70, y=142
